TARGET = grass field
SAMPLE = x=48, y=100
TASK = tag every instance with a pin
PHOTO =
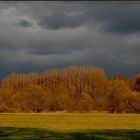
x=71, y=126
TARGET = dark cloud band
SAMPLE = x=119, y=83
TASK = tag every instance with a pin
x=49, y=34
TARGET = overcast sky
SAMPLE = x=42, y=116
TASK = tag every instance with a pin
x=35, y=36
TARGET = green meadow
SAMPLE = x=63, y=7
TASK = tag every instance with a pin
x=71, y=126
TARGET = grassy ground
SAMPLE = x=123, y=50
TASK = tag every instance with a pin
x=72, y=126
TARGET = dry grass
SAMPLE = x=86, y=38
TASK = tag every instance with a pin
x=70, y=121
x=71, y=124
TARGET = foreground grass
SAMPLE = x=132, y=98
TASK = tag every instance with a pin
x=69, y=126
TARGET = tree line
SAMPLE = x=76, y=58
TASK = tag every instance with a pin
x=71, y=89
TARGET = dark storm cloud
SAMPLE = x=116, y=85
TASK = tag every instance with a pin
x=25, y=23
x=50, y=49
x=59, y=20
x=7, y=42
x=65, y=44
x=117, y=17
x=122, y=23
x=38, y=35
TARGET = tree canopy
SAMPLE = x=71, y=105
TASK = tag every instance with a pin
x=71, y=89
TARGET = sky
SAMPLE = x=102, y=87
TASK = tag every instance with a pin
x=36, y=36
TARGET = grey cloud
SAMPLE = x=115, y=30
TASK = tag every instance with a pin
x=123, y=25
x=7, y=42
x=25, y=23
x=60, y=20
x=59, y=43
x=116, y=17
x=119, y=17
x=82, y=33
